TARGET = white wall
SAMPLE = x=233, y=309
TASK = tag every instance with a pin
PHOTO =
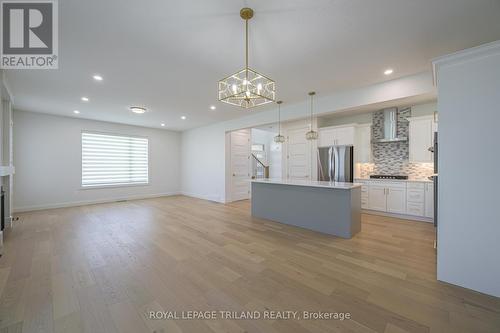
x=423, y=109
x=366, y=118
x=469, y=160
x=208, y=143
x=47, y=158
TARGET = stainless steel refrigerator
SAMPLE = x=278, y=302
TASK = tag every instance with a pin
x=335, y=163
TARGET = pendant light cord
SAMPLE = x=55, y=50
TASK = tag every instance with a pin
x=246, y=49
x=311, y=112
x=279, y=119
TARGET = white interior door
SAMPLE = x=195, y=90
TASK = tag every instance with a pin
x=298, y=154
x=240, y=165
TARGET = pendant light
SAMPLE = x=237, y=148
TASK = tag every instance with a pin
x=279, y=138
x=247, y=88
x=312, y=135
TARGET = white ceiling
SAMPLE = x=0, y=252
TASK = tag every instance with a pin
x=169, y=55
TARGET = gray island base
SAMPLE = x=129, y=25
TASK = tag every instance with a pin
x=331, y=208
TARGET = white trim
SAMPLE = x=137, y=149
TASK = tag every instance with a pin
x=91, y=202
x=399, y=216
x=98, y=187
x=338, y=126
x=204, y=197
x=462, y=56
x=430, y=117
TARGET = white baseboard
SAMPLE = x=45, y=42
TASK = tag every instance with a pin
x=90, y=202
x=399, y=216
x=203, y=196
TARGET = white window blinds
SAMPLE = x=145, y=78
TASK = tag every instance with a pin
x=109, y=160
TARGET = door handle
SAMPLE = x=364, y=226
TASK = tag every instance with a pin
x=234, y=175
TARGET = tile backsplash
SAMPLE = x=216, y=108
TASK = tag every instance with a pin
x=391, y=158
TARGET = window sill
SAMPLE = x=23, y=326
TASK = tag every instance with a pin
x=100, y=187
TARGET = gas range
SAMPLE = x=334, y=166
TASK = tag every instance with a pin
x=399, y=177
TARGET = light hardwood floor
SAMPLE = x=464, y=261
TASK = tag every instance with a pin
x=102, y=268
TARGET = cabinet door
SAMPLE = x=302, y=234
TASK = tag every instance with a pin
x=421, y=133
x=344, y=136
x=326, y=137
x=376, y=198
x=396, y=200
x=363, y=147
x=429, y=200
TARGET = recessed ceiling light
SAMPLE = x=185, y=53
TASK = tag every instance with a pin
x=183, y=118
x=97, y=77
x=76, y=112
x=138, y=109
x=388, y=71
x=212, y=107
x=85, y=99
x=162, y=124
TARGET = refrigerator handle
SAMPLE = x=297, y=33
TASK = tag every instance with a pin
x=331, y=167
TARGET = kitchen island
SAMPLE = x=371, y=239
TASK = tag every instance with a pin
x=329, y=207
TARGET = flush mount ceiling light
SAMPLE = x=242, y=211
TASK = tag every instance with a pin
x=212, y=107
x=279, y=138
x=183, y=118
x=311, y=135
x=247, y=88
x=97, y=77
x=162, y=124
x=138, y=109
x=76, y=112
x=85, y=99
x=388, y=71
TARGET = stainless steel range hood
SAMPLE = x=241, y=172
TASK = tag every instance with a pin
x=391, y=126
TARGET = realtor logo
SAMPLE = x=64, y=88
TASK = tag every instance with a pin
x=29, y=36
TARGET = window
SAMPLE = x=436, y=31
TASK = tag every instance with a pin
x=111, y=160
x=257, y=147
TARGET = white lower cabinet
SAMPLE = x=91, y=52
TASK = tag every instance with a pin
x=396, y=199
x=415, y=199
x=364, y=196
x=376, y=198
x=388, y=197
x=404, y=198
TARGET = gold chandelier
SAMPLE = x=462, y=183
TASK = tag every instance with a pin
x=247, y=88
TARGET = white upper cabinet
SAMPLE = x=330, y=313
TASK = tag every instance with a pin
x=338, y=135
x=421, y=135
x=345, y=135
x=363, y=146
x=326, y=137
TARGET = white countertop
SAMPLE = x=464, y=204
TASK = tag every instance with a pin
x=394, y=180
x=308, y=183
